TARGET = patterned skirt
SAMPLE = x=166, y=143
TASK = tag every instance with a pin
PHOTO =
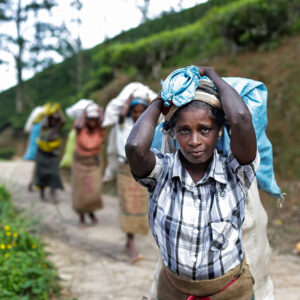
x=133, y=203
x=86, y=183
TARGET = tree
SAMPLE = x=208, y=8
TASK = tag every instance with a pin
x=77, y=4
x=143, y=6
x=32, y=40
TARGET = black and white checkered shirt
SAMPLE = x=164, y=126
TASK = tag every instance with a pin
x=197, y=227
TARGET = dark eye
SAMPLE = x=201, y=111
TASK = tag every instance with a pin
x=205, y=130
x=183, y=131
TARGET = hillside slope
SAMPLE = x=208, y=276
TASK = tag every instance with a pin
x=264, y=47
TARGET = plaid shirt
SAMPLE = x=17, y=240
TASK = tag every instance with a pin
x=197, y=227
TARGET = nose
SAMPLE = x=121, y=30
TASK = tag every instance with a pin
x=195, y=139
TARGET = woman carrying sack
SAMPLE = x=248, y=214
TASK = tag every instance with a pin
x=86, y=168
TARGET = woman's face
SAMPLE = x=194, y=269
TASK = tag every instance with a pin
x=136, y=111
x=92, y=122
x=196, y=133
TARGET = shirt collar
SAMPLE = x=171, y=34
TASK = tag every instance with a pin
x=215, y=169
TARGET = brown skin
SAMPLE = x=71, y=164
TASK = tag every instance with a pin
x=196, y=133
x=243, y=140
x=92, y=123
x=135, y=112
x=56, y=120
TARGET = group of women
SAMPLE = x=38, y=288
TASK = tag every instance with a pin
x=195, y=194
x=87, y=167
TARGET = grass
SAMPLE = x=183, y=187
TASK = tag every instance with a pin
x=25, y=272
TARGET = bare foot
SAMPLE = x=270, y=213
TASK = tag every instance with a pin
x=30, y=187
x=130, y=249
x=95, y=221
x=82, y=225
x=135, y=259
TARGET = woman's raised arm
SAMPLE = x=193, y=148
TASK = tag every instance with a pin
x=140, y=158
x=243, y=139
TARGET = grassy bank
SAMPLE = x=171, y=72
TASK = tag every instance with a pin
x=25, y=272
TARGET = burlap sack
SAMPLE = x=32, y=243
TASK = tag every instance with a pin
x=86, y=183
x=133, y=203
x=171, y=286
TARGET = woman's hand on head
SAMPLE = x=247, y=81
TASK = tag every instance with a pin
x=207, y=71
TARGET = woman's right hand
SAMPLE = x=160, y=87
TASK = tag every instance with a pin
x=208, y=71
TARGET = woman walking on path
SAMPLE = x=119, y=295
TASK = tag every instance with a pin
x=133, y=197
x=86, y=169
x=197, y=197
x=47, y=157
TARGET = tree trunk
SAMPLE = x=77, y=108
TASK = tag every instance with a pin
x=19, y=63
x=19, y=93
x=79, y=69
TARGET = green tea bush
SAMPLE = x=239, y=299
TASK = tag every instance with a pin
x=7, y=152
x=243, y=23
x=252, y=23
x=25, y=272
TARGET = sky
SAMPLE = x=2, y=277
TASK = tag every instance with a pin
x=100, y=19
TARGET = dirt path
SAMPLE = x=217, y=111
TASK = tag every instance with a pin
x=91, y=262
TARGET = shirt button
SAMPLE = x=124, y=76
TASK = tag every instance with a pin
x=194, y=259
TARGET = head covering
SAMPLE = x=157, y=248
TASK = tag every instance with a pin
x=137, y=101
x=185, y=85
x=49, y=109
x=93, y=111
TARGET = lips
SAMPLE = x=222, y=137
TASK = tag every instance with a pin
x=196, y=153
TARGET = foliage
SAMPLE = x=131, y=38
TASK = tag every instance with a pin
x=25, y=272
x=7, y=152
x=147, y=53
x=269, y=19
x=43, y=38
x=215, y=27
x=230, y=23
x=167, y=21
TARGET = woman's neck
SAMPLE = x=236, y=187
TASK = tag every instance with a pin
x=196, y=171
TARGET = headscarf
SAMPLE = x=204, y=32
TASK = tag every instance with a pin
x=93, y=111
x=137, y=101
x=49, y=109
x=185, y=85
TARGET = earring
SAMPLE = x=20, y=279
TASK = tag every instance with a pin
x=220, y=133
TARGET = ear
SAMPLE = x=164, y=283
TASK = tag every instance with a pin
x=221, y=131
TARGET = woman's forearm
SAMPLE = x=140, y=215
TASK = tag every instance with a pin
x=140, y=158
x=243, y=139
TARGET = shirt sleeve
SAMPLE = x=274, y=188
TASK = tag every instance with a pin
x=150, y=181
x=244, y=173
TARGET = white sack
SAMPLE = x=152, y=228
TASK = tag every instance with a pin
x=35, y=112
x=76, y=109
x=113, y=108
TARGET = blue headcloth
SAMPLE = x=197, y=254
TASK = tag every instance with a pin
x=137, y=101
x=180, y=86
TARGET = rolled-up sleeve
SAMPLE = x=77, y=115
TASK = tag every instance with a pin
x=150, y=181
x=244, y=173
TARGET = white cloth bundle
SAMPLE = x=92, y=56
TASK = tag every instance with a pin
x=77, y=108
x=29, y=123
x=113, y=108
